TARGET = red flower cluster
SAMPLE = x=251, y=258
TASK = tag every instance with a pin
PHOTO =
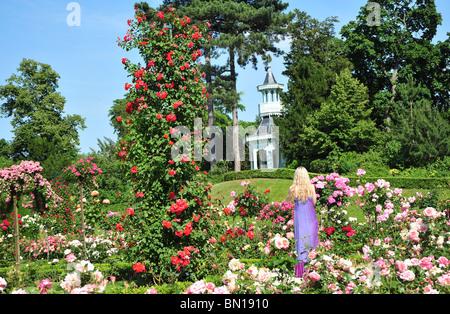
x=188, y=228
x=329, y=230
x=349, y=230
x=231, y=234
x=139, y=268
x=179, y=206
x=5, y=224
x=183, y=257
x=171, y=117
x=130, y=211
x=167, y=224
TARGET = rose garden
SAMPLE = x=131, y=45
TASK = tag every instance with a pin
x=170, y=235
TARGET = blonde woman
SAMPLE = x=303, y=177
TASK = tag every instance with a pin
x=306, y=225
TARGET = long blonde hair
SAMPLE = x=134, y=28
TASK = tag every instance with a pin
x=302, y=187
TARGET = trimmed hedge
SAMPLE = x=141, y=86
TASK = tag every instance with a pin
x=40, y=270
x=397, y=182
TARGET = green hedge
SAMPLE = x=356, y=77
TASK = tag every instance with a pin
x=40, y=270
x=396, y=182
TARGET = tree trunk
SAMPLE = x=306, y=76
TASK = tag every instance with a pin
x=16, y=233
x=83, y=239
x=210, y=103
x=237, y=158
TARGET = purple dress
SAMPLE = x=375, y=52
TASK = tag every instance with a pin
x=306, y=227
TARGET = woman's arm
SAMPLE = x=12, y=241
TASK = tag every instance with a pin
x=314, y=194
x=289, y=196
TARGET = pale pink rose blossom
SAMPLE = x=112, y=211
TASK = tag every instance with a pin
x=407, y=275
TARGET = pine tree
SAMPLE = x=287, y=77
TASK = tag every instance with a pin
x=420, y=130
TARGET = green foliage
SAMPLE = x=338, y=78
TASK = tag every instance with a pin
x=420, y=130
x=312, y=64
x=41, y=132
x=342, y=123
x=384, y=55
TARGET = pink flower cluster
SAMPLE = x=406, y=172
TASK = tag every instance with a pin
x=22, y=180
x=202, y=287
x=41, y=247
x=84, y=169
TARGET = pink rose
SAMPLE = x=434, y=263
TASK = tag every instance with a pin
x=70, y=258
x=197, y=288
x=443, y=261
x=430, y=212
x=314, y=276
x=414, y=235
x=407, y=275
x=426, y=263
x=401, y=266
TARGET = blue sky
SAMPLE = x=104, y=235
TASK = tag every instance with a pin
x=89, y=61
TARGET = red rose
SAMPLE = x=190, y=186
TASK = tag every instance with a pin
x=134, y=170
x=175, y=260
x=119, y=119
x=179, y=206
x=167, y=224
x=130, y=211
x=171, y=117
x=161, y=15
x=179, y=233
x=139, y=268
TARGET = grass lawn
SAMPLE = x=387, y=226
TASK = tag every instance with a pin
x=220, y=193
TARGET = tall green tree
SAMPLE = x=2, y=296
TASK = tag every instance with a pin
x=384, y=55
x=343, y=123
x=311, y=65
x=41, y=131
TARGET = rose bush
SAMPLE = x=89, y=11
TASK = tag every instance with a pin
x=158, y=152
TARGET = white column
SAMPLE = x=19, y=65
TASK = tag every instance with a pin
x=270, y=159
x=255, y=159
